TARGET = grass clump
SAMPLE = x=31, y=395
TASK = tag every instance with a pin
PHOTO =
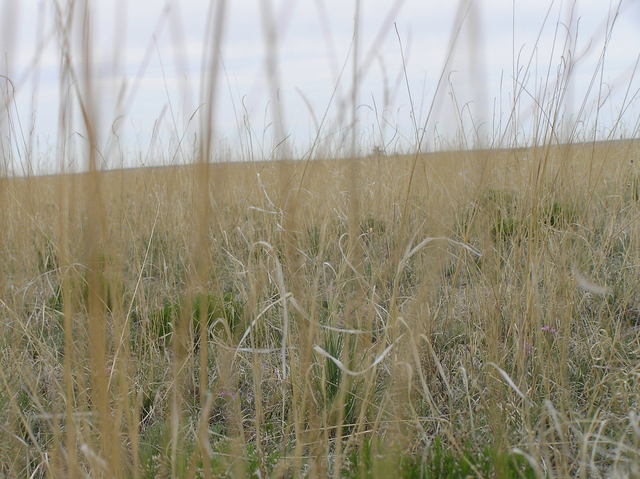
x=438, y=462
x=223, y=316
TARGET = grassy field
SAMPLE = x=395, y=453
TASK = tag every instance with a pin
x=470, y=313
x=451, y=315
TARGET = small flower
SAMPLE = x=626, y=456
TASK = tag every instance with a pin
x=549, y=329
x=227, y=394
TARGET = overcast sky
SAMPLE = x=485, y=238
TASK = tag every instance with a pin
x=315, y=42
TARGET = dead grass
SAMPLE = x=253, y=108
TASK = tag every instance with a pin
x=451, y=314
x=485, y=336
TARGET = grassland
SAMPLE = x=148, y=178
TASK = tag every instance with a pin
x=471, y=313
x=447, y=315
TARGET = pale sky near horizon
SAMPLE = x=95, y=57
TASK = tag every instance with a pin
x=315, y=41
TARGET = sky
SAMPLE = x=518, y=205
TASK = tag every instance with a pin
x=154, y=49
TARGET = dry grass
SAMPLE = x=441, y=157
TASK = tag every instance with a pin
x=492, y=334
x=454, y=314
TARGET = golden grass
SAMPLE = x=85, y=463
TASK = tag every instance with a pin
x=453, y=314
x=466, y=310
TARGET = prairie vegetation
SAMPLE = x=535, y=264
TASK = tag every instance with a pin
x=489, y=311
x=471, y=313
